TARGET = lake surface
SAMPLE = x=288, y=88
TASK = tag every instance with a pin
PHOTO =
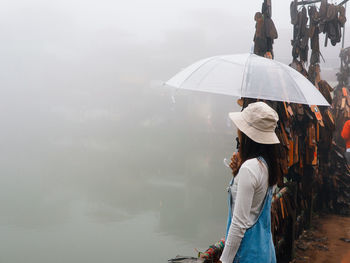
x=105, y=177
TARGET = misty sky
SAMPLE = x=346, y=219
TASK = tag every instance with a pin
x=137, y=17
x=64, y=52
x=116, y=40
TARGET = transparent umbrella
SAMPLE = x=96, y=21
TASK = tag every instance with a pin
x=248, y=76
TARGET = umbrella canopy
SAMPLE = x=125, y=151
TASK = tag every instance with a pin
x=248, y=76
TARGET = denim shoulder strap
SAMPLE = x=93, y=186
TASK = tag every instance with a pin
x=260, y=158
x=229, y=202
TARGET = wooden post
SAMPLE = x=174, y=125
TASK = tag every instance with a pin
x=342, y=42
x=293, y=188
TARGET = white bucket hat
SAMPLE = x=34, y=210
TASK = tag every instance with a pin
x=258, y=121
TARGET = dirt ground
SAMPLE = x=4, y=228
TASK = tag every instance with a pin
x=327, y=242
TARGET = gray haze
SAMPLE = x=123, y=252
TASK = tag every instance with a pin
x=99, y=162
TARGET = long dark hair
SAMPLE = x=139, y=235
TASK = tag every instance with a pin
x=250, y=149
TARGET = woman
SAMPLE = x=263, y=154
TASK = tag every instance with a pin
x=248, y=235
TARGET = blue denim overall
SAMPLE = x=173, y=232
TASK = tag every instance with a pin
x=257, y=244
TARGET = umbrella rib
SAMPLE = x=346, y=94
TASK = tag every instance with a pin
x=227, y=61
x=231, y=62
x=289, y=77
x=294, y=83
x=244, y=73
x=306, y=98
x=206, y=75
x=194, y=71
x=244, y=68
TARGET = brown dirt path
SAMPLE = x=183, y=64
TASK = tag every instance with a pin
x=322, y=244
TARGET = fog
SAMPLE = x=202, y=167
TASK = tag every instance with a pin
x=99, y=161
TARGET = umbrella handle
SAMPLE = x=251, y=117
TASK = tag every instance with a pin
x=226, y=162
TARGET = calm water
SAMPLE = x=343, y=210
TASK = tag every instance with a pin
x=95, y=179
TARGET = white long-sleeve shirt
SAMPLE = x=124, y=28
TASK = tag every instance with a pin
x=248, y=190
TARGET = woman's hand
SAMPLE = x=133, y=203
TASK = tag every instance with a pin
x=235, y=163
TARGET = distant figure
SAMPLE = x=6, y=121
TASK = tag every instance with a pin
x=346, y=136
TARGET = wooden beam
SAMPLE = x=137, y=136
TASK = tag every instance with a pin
x=343, y=2
x=309, y=2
